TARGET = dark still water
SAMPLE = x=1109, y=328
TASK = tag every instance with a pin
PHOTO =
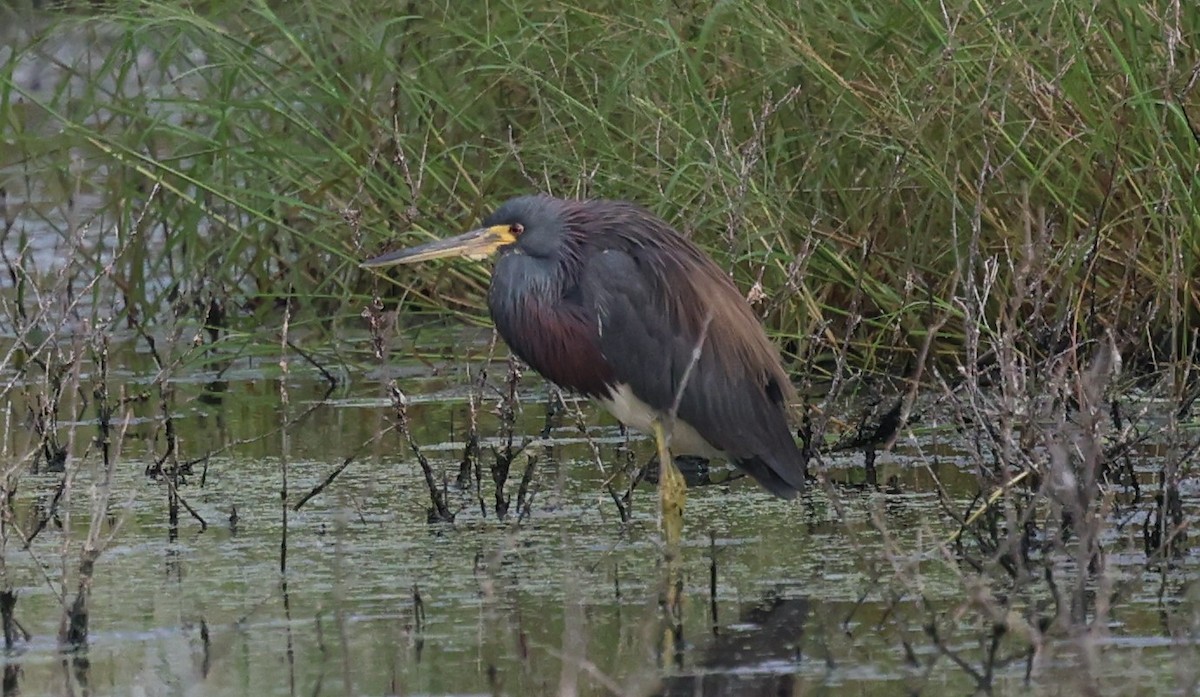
x=849, y=590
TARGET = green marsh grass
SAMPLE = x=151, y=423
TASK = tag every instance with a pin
x=859, y=167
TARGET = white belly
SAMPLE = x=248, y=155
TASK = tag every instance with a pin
x=638, y=415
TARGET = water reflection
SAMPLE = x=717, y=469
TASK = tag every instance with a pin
x=390, y=604
x=758, y=656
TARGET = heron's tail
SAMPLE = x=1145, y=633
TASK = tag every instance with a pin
x=784, y=479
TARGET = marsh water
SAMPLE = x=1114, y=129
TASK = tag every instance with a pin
x=828, y=594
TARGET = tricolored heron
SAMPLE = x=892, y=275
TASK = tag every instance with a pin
x=607, y=300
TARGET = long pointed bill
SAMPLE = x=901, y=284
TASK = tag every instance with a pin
x=474, y=245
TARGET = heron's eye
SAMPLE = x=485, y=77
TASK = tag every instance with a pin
x=516, y=229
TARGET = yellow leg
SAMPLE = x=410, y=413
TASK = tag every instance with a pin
x=672, y=493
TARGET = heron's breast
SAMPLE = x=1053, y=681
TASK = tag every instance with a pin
x=636, y=414
x=556, y=338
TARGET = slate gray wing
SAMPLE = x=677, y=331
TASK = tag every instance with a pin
x=739, y=409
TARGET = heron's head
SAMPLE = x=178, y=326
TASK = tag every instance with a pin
x=533, y=225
